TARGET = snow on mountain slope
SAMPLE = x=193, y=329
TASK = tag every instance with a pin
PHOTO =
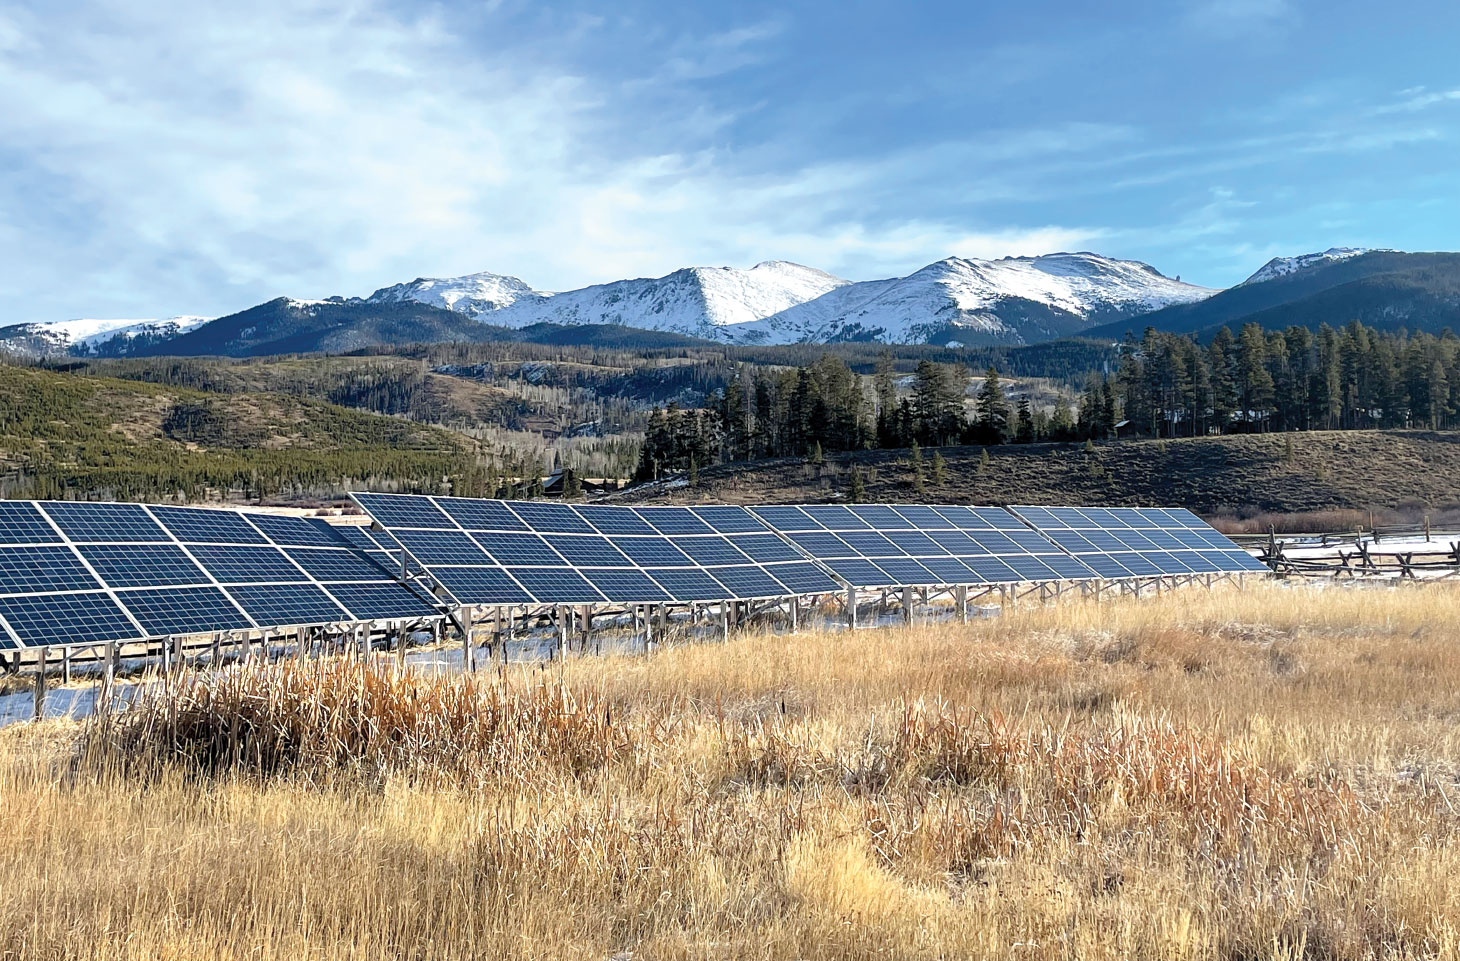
x=1017, y=300
x=472, y=294
x=63, y=336
x=710, y=302
x=1282, y=266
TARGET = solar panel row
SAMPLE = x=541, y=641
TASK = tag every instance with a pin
x=516, y=552
x=74, y=572
x=511, y=552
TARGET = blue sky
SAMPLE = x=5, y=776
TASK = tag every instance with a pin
x=169, y=157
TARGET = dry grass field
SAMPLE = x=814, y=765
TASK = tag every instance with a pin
x=1233, y=775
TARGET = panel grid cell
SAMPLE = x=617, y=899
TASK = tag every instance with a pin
x=22, y=523
x=43, y=570
x=83, y=522
x=280, y=605
x=1120, y=542
x=142, y=565
x=183, y=610
x=64, y=619
x=381, y=600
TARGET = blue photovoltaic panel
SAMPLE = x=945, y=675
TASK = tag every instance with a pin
x=193, y=525
x=615, y=520
x=481, y=585
x=834, y=517
x=388, y=600
x=528, y=549
x=352, y=534
x=480, y=515
x=61, y=619
x=950, y=570
x=729, y=519
x=748, y=581
x=905, y=570
x=587, y=550
x=42, y=570
x=336, y=565
x=296, y=531
x=1137, y=541
x=556, y=585
x=653, y=552
x=955, y=542
x=627, y=585
x=803, y=577
x=991, y=569
x=711, y=550
x=924, y=518
x=404, y=510
x=183, y=610
x=881, y=517
x=786, y=519
x=822, y=544
x=142, y=565
x=692, y=584
x=246, y=565
x=765, y=548
x=432, y=548
x=22, y=523
x=279, y=605
x=86, y=522
x=674, y=520
x=858, y=571
x=558, y=518
x=874, y=545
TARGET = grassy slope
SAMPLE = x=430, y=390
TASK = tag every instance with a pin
x=100, y=435
x=1328, y=469
x=1267, y=774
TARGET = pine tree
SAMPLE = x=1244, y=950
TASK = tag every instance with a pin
x=1024, y=423
x=940, y=469
x=915, y=462
x=983, y=460
x=856, y=490
x=993, y=409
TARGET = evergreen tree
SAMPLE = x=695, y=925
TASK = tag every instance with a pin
x=993, y=410
x=940, y=469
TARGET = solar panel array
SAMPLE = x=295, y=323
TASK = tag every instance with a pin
x=77, y=572
x=1139, y=541
x=883, y=545
x=521, y=552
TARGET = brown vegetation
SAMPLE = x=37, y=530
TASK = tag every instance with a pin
x=1265, y=774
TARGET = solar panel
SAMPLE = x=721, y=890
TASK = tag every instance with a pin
x=1138, y=541
x=297, y=531
x=183, y=610
x=556, y=585
x=246, y=565
x=203, y=526
x=481, y=585
x=627, y=585
x=587, y=550
x=404, y=510
x=710, y=550
x=615, y=520
x=43, y=570
x=280, y=605
x=85, y=522
x=692, y=584
x=142, y=565
x=766, y=548
x=748, y=581
x=326, y=565
x=881, y=517
x=728, y=519
x=786, y=519
x=60, y=619
x=803, y=577
x=433, y=548
x=480, y=515
x=653, y=552
x=674, y=520
x=559, y=518
x=23, y=523
x=518, y=549
x=381, y=601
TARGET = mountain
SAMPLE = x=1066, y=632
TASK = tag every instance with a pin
x=87, y=335
x=1386, y=289
x=1015, y=300
x=1282, y=266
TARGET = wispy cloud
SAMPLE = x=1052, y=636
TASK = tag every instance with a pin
x=1231, y=19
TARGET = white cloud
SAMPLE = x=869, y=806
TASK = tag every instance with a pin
x=200, y=162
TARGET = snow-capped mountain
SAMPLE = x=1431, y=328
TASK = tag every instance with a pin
x=84, y=334
x=1282, y=266
x=472, y=294
x=1014, y=300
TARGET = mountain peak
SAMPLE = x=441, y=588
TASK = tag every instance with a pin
x=1282, y=266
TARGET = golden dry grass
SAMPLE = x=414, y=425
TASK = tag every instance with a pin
x=1264, y=774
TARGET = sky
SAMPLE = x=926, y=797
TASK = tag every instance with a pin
x=162, y=157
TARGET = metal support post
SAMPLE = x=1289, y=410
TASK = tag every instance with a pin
x=40, y=682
